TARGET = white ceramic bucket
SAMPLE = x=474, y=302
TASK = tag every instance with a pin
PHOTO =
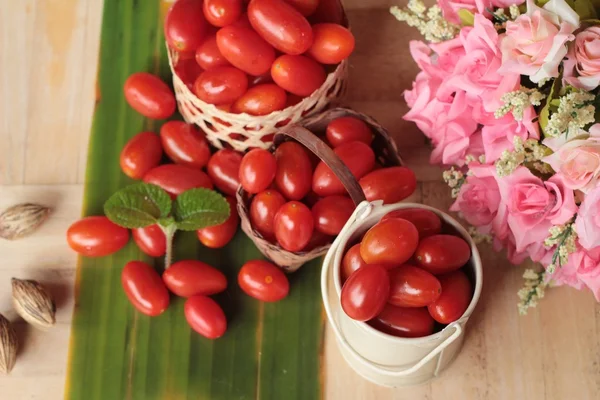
x=381, y=358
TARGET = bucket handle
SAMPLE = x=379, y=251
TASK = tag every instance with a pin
x=360, y=212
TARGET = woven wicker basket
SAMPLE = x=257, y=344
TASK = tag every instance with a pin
x=385, y=150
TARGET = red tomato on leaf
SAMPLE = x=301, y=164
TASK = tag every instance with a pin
x=176, y=179
x=294, y=226
x=455, y=298
x=426, y=222
x=294, y=170
x=263, y=208
x=149, y=95
x=390, y=243
x=413, y=287
x=190, y=277
x=144, y=288
x=331, y=214
x=151, y=240
x=391, y=185
x=185, y=25
x=257, y=170
x=332, y=43
x=224, y=170
x=404, y=322
x=263, y=281
x=220, y=235
x=184, y=144
x=365, y=292
x=96, y=236
x=141, y=153
x=205, y=316
x=298, y=75
x=439, y=254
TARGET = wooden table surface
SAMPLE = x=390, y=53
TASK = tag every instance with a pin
x=48, y=59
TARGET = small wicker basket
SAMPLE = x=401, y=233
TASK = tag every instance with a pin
x=385, y=150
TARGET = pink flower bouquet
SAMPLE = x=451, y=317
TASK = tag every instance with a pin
x=507, y=94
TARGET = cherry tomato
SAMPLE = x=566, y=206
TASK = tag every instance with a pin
x=96, y=236
x=261, y=100
x=305, y=7
x=263, y=208
x=190, y=278
x=404, y=322
x=224, y=170
x=218, y=236
x=151, y=240
x=365, y=292
x=149, y=95
x=205, y=316
x=357, y=156
x=391, y=185
x=390, y=243
x=257, y=170
x=332, y=43
x=176, y=179
x=348, y=129
x=298, y=75
x=261, y=79
x=141, y=153
x=426, y=222
x=222, y=12
x=185, y=25
x=442, y=253
x=209, y=56
x=352, y=261
x=144, y=288
x=413, y=287
x=245, y=49
x=294, y=226
x=188, y=71
x=263, y=281
x=221, y=85
x=455, y=297
x=294, y=170
x=281, y=25
x=331, y=214
x=184, y=144
x=328, y=11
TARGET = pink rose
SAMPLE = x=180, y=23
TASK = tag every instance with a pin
x=506, y=3
x=587, y=223
x=437, y=60
x=587, y=264
x=533, y=206
x=536, y=42
x=564, y=274
x=422, y=102
x=450, y=8
x=577, y=161
x=582, y=66
x=479, y=197
x=476, y=72
x=534, y=251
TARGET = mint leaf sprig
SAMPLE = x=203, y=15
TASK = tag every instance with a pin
x=144, y=204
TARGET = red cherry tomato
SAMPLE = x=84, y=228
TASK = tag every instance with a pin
x=365, y=292
x=331, y=214
x=209, y=56
x=144, y=288
x=263, y=208
x=151, y=240
x=149, y=95
x=263, y=281
x=281, y=25
x=348, y=129
x=218, y=236
x=352, y=261
x=141, y=153
x=328, y=11
x=332, y=43
x=176, y=179
x=190, y=277
x=455, y=298
x=390, y=243
x=188, y=71
x=294, y=170
x=298, y=75
x=305, y=7
x=439, y=254
x=294, y=226
x=205, y=316
x=222, y=12
x=261, y=100
x=185, y=25
x=245, y=49
x=257, y=170
x=184, y=144
x=426, y=222
x=413, y=287
x=391, y=185
x=221, y=85
x=261, y=79
x=404, y=322
x=224, y=170
x=96, y=237
x=357, y=156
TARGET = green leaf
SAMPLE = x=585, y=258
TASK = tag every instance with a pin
x=553, y=95
x=198, y=208
x=138, y=205
x=466, y=17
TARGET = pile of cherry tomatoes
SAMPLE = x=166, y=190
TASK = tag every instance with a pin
x=405, y=275
x=285, y=184
x=259, y=56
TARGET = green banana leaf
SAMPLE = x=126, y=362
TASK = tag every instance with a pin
x=270, y=350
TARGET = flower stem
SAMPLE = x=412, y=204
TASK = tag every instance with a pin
x=169, y=232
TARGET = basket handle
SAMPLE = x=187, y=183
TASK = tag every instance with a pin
x=326, y=154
